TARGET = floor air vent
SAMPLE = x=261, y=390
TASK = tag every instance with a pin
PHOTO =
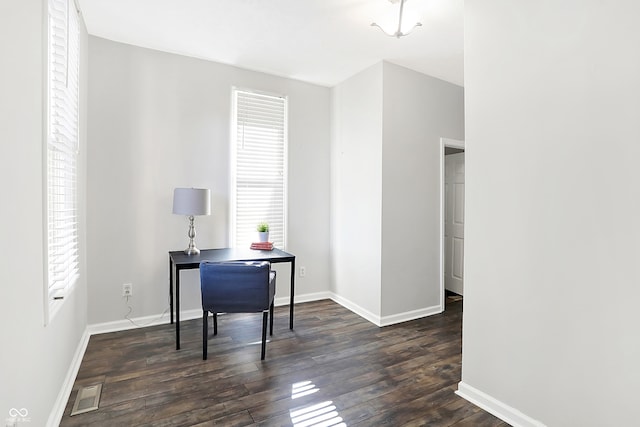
x=87, y=399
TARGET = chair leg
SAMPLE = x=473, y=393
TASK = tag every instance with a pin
x=271, y=319
x=215, y=323
x=264, y=334
x=205, y=327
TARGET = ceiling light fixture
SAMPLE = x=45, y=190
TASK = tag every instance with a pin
x=398, y=33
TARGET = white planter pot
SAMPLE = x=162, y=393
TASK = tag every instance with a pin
x=263, y=236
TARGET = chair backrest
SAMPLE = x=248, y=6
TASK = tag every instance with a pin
x=236, y=287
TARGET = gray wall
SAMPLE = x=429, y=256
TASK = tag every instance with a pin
x=387, y=125
x=552, y=200
x=159, y=121
x=356, y=191
x=418, y=111
x=35, y=357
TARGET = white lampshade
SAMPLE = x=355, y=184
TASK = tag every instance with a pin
x=192, y=201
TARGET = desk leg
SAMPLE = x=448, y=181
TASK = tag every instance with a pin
x=177, y=309
x=293, y=275
x=171, y=288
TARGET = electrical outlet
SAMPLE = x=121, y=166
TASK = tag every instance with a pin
x=303, y=271
x=127, y=290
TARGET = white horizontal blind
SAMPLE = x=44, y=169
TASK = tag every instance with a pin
x=259, y=148
x=62, y=147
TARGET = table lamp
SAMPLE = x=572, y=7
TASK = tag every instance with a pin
x=192, y=202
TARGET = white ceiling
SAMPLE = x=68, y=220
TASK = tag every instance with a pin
x=317, y=41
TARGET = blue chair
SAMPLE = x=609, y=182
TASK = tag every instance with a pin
x=236, y=287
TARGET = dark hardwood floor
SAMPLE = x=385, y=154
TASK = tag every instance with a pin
x=335, y=367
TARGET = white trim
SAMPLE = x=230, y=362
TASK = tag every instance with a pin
x=196, y=313
x=233, y=137
x=317, y=296
x=454, y=143
x=45, y=135
x=382, y=321
x=56, y=414
x=158, y=319
x=143, y=322
x=410, y=315
x=362, y=312
x=495, y=407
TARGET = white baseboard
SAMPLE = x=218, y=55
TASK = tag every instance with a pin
x=362, y=312
x=316, y=296
x=141, y=322
x=56, y=414
x=385, y=320
x=161, y=319
x=495, y=407
x=410, y=315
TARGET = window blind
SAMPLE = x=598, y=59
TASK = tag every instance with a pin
x=62, y=147
x=259, y=172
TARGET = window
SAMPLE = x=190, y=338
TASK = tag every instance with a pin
x=258, y=167
x=62, y=148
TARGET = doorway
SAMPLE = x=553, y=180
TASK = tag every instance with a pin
x=452, y=158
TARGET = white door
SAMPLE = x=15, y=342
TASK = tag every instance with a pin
x=454, y=222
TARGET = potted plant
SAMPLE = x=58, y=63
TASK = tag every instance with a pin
x=263, y=232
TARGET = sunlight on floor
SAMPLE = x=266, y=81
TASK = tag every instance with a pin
x=303, y=388
x=323, y=414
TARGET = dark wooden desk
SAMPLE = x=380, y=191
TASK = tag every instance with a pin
x=179, y=261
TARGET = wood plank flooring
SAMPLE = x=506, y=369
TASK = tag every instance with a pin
x=334, y=367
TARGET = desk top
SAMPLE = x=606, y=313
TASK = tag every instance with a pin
x=182, y=260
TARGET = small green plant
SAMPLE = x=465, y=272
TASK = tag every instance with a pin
x=263, y=227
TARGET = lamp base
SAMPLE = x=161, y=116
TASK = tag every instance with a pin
x=192, y=251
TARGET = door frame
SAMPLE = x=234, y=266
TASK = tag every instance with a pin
x=453, y=143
